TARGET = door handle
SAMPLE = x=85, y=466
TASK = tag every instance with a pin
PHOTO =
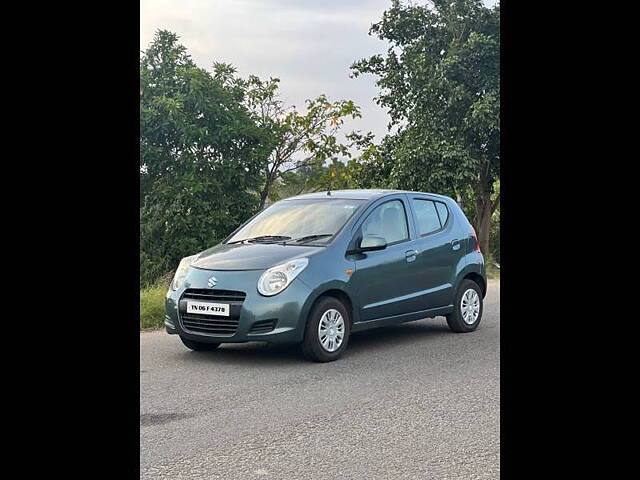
x=410, y=255
x=455, y=244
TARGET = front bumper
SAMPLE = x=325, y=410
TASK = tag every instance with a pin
x=289, y=308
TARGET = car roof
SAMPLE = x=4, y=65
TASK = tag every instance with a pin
x=363, y=194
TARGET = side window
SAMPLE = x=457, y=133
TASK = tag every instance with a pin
x=443, y=211
x=388, y=221
x=426, y=216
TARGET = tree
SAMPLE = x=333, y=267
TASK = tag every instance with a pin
x=440, y=80
x=297, y=140
x=201, y=157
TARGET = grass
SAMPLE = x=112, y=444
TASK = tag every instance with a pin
x=152, y=305
x=493, y=272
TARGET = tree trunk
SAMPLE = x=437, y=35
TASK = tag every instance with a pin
x=263, y=195
x=484, y=213
x=483, y=223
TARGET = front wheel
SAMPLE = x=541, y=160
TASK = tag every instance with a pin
x=199, y=346
x=467, y=311
x=327, y=332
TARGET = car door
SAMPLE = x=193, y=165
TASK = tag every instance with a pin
x=438, y=250
x=386, y=280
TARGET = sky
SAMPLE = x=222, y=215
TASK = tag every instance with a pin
x=308, y=44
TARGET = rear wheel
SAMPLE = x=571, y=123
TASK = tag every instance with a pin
x=327, y=331
x=199, y=346
x=467, y=311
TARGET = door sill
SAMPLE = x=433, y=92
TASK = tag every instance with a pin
x=405, y=317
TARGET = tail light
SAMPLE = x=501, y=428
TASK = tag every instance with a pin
x=475, y=238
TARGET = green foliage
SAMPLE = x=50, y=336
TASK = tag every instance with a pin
x=335, y=175
x=374, y=166
x=201, y=157
x=495, y=236
x=298, y=141
x=301, y=180
x=152, y=307
x=212, y=146
x=152, y=301
x=440, y=80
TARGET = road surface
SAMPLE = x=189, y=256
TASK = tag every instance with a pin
x=414, y=401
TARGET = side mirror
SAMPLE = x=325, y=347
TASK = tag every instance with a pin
x=372, y=242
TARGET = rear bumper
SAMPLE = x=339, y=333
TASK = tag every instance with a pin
x=289, y=308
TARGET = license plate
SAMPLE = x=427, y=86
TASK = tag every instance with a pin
x=207, y=308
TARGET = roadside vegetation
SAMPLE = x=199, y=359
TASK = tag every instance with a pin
x=152, y=304
x=493, y=272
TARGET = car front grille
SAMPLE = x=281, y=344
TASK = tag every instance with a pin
x=209, y=324
x=214, y=295
x=212, y=324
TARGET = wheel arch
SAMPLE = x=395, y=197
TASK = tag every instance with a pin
x=336, y=292
x=479, y=279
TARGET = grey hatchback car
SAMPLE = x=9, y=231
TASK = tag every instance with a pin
x=315, y=268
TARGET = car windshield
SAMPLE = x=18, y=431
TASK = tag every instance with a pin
x=298, y=221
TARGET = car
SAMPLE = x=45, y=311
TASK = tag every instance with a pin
x=315, y=268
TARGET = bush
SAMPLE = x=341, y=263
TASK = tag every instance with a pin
x=202, y=157
x=152, y=305
x=494, y=236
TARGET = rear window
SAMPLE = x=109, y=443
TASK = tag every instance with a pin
x=443, y=212
x=431, y=216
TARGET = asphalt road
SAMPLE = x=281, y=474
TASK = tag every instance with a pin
x=413, y=401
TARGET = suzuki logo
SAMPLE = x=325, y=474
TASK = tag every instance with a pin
x=212, y=282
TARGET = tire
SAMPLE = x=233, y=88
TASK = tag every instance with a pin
x=456, y=319
x=312, y=345
x=199, y=346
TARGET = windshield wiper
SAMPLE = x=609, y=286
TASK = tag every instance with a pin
x=308, y=238
x=262, y=239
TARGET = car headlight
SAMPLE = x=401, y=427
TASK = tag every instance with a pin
x=181, y=272
x=276, y=279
